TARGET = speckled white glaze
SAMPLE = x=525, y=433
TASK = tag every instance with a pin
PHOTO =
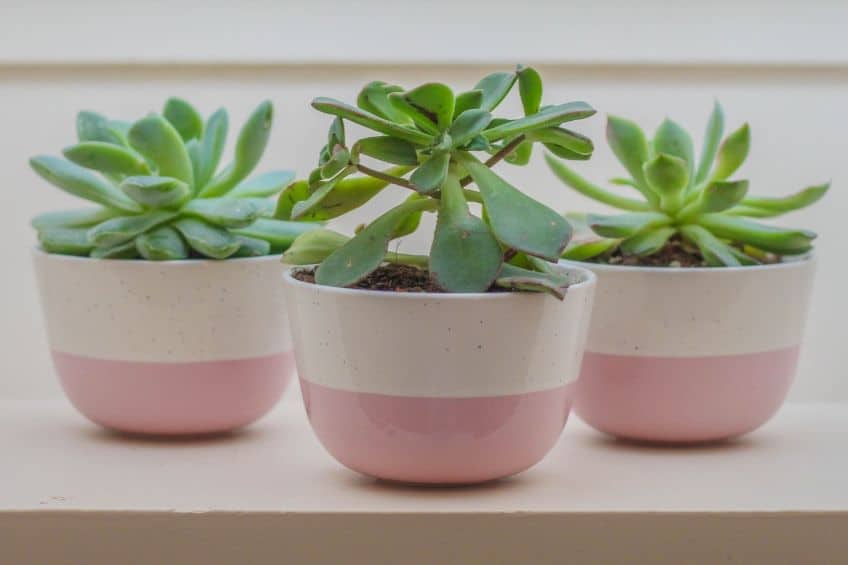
x=176, y=311
x=439, y=345
x=664, y=312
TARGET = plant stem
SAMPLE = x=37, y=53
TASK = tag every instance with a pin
x=407, y=259
x=499, y=156
x=385, y=177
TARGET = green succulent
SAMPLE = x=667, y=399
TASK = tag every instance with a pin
x=694, y=200
x=159, y=195
x=432, y=137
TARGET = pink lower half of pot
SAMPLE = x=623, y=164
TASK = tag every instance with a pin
x=683, y=399
x=174, y=398
x=430, y=440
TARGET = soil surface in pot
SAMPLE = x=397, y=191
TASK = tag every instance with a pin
x=675, y=253
x=392, y=278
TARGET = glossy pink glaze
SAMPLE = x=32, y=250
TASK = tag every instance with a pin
x=683, y=399
x=437, y=440
x=174, y=398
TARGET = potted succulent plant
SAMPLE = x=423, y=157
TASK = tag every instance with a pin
x=458, y=366
x=150, y=331
x=700, y=310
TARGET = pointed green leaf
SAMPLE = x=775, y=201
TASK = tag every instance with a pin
x=586, y=250
x=318, y=194
x=156, y=192
x=715, y=252
x=91, y=126
x=279, y=233
x=367, y=250
x=626, y=225
x=516, y=278
x=337, y=163
x=107, y=158
x=411, y=222
x=517, y=220
x=162, y=145
x=224, y=212
x=388, y=149
x=521, y=155
x=495, y=87
x=184, y=117
x=732, y=153
x=429, y=176
x=251, y=144
x=647, y=242
x=464, y=256
x=81, y=182
x=467, y=101
x=586, y=188
x=73, y=218
x=162, y=244
x=668, y=177
x=210, y=148
x=551, y=117
x=120, y=230
x=672, y=139
x=313, y=247
x=371, y=121
x=721, y=195
x=768, y=238
x=530, y=89
x=789, y=203
x=468, y=125
x=628, y=143
x=336, y=134
x=712, y=137
x=264, y=185
x=251, y=247
x=65, y=241
x=206, y=239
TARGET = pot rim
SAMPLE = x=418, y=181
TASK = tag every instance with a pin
x=37, y=251
x=588, y=279
x=793, y=262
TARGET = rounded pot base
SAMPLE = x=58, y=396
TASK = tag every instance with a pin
x=683, y=400
x=437, y=441
x=176, y=399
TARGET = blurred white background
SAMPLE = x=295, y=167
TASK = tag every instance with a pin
x=782, y=66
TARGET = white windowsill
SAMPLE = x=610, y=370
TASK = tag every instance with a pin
x=72, y=491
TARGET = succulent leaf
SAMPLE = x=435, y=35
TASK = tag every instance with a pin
x=468, y=100
x=586, y=250
x=81, y=182
x=65, y=241
x=668, y=177
x=126, y=250
x=628, y=143
x=162, y=244
x=430, y=106
x=556, y=138
x=715, y=252
x=712, y=138
x=279, y=233
x=224, y=212
x=673, y=140
x=495, y=87
x=372, y=121
x=73, y=218
x=530, y=89
x=156, y=192
x=251, y=143
x=184, y=117
x=801, y=199
x=309, y=204
x=432, y=173
x=251, y=247
x=367, y=250
x=206, y=239
x=583, y=186
x=374, y=98
x=551, y=117
x=210, y=148
x=388, y=149
x=161, y=144
x=91, y=126
x=465, y=256
x=732, y=153
x=264, y=185
x=626, y=225
x=107, y=158
x=517, y=220
x=313, y=247
x=125, y=228
x=647, y=242
x=719, y=196
x=769, y=238
x=468, y=125
x=517, y=278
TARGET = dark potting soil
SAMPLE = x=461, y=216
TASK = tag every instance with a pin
x=391, y=277
x=675, y=253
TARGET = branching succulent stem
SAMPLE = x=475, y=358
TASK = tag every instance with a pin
x=498, y=157
x=399, y=181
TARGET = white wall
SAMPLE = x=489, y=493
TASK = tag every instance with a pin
x=781, y=66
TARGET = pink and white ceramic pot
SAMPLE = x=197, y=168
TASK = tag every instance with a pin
x=438, y=388
x=178, y=347
x=692, y=355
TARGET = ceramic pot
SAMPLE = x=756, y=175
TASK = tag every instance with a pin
x=438, y=388
x=692, y=355
x=177, y=347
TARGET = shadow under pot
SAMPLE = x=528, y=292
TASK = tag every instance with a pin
x=172, y=348
x=433, y=388
x=686, y=355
